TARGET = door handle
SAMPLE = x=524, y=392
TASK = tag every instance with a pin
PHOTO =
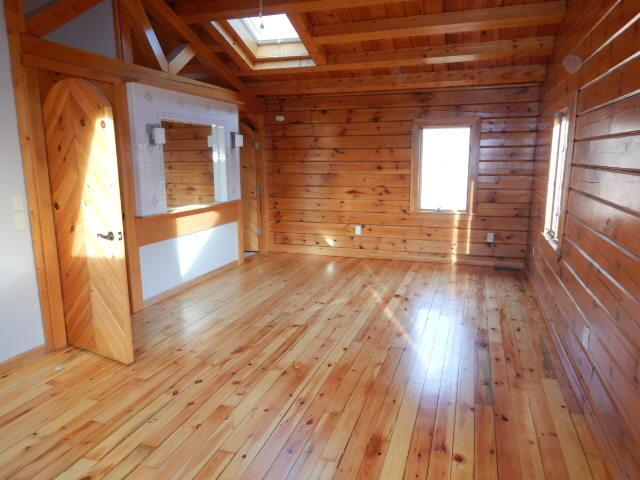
x=109, y=236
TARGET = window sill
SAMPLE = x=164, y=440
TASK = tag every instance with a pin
x=552, y=241
x=441, y=215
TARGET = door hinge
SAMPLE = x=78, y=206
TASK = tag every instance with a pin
x=260, y=231
x=257, y=145
x=258, y=191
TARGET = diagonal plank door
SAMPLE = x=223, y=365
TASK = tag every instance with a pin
x=85, y=193
x=249, y=187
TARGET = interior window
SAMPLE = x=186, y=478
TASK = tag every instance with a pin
x=555, y=187
x=194, y=158
x=271, y=29
x=444, y=167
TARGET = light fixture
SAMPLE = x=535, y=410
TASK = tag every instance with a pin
x=237, y=140
x=156, y=134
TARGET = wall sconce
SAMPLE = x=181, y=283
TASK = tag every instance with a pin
x=156, y=134
x=237, y=140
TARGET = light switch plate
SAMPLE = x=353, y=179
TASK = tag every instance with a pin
x=20, y=220
x=358, y=231
x=490, y=237
x=18, y=202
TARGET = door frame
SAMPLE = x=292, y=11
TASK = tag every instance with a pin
x=257, y=124
x=42, y=216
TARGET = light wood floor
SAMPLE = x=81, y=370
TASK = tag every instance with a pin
x=311, y=367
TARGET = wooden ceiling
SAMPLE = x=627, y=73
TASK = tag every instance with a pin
x=353, y=45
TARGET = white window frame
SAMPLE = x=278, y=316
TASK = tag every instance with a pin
x=559, y=175
x=416, y=164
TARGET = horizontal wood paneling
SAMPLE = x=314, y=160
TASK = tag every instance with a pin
x=590, y=291
x=338, y=161
x=187, y=157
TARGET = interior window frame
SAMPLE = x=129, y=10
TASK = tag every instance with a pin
x=554, y=238
x=416, y=165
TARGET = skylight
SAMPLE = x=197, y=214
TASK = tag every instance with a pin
x=277, y=29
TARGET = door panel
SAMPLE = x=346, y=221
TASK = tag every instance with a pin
x=85, y=194
x=249, y=183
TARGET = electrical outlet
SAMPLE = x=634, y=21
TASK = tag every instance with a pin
x=585, y=337
x=358, y=231
x=490, y=237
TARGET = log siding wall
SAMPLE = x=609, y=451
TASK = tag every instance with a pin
x=590, y=292
x=338, y=161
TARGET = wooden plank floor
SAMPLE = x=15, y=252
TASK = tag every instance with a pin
x=305, y=367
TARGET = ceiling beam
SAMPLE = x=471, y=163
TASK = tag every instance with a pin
x=229, y=45
x=179, y=57
x=142, y=30
x=442, y=23
x=164, y=15
x=303, y=28
x=449, y=78
x=202, y=11
x=406, y=57
x=53, y=16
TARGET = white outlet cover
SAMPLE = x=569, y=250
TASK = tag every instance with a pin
x=358, y=231
x=490, y=237
x=585, y=337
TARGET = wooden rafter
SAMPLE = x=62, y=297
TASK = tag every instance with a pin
x=179, y=57
x=301, y=25
x=164, y=15
x=450, y=78
x=464, y=52
x=56, y=14
x=203, y=11
x=144, y=33
x=229, y=45
x=441, y=23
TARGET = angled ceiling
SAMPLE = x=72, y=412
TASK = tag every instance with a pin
x=345, y=45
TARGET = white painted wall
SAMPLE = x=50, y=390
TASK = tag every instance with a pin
x=149, y=106
x=92, y=31
x=20, y=317
x=169, y=263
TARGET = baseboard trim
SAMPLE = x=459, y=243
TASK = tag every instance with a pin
x=389, y=255
x=582, y=395
x=22, y=359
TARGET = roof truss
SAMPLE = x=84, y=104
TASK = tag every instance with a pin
x=363, y=55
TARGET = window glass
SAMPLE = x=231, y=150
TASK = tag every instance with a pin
x=555, y=187
x=444, y=168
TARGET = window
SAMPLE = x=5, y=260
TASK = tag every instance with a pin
x=444, y=165
x=271, y=29
x=557, y=175
x=267, y=38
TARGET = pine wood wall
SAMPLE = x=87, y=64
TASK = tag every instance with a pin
x=338, y=161
x=591, y=292
x=188, y=165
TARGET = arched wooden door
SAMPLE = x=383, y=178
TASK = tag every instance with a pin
x=250, y=193
x=85, y=194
